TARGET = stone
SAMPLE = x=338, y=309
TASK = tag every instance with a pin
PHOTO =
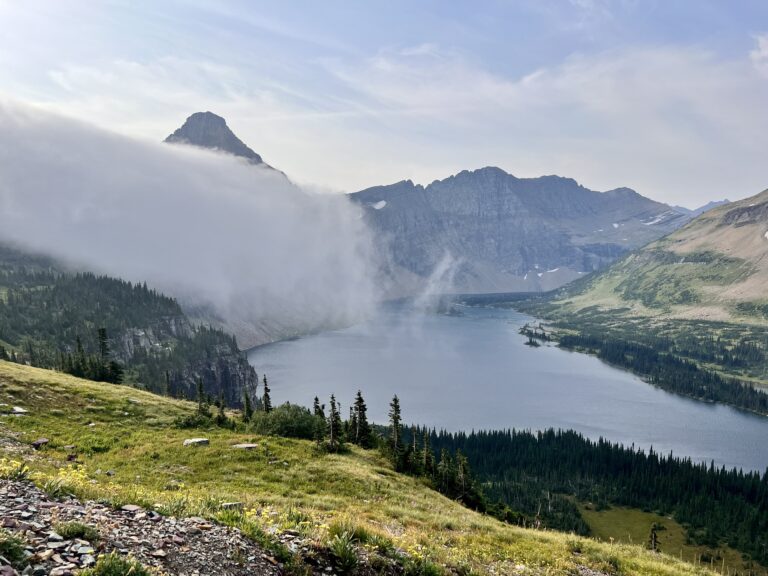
x=18, y=410
x=245, y=446
x=131, y=508
x=232, y=506
x=196, y=442
x=37, y=444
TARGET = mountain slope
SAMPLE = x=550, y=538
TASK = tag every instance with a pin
x=714, y=268
x=133, y=454
x=46, y=309
x=207, y=130
x=508, y=233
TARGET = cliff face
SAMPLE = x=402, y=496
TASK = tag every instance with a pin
x=509, y=234
x=192, y=354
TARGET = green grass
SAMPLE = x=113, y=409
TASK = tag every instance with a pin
x=115, y=565
x=72, y=530
x=284, y=484
x=633, y=526
x=12, y=549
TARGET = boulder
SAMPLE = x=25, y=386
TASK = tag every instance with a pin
x=196, y=442
x=37, y=444
x=245, y=446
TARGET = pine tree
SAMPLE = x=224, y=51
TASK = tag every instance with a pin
x=202, y=404
x=318, y=409
x=334, y=427
x=247, y=408
x=362, y=433
x=395, y=433
x=428, y=458
x=266, y=400
x=103, y=346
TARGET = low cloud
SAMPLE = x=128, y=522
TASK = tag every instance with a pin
x=236, y=239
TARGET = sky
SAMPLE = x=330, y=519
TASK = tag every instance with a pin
x=668, y=97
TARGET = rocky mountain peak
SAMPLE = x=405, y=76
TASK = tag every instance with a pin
x=207, y=130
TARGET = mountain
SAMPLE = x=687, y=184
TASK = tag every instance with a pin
x=207, y=130
x=701, y=209
x=46, y=309
x=714, y=268
x=508, y=234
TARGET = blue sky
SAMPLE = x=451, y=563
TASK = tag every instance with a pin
x=668, y=97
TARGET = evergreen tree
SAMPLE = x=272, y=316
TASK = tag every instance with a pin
x=361, y=432
x=3, y=353
x=334, y=432
x=318, y=409
x=202, y=403
x=103, y=346
x=428, y=458
x=395, y=433
x=266, y=400
x=247, y=408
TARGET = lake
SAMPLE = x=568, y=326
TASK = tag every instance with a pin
x=474, y=371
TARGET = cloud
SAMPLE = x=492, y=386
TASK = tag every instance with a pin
x=679, y=124
x=759, y=55
x=204, y=226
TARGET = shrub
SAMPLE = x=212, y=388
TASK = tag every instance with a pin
x=115, y=565
x=12, y=549
x=287, y=420
x=71, y=530
x=13, y=470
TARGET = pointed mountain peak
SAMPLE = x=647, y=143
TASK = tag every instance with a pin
x=207, y=130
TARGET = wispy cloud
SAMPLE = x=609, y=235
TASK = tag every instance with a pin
x=759, y=55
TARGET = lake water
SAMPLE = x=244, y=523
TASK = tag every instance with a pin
x=474, y=372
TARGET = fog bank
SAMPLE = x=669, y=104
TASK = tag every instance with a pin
x=224, y=236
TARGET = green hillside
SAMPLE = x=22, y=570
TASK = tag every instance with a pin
x=47, y=311
x=128, y=450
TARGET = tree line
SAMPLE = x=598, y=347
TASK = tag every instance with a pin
x=670, y=372
x=538, y=475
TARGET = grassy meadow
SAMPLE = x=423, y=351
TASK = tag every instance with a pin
x=129, y=451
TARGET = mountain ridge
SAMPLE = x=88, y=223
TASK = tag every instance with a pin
x=508, y=234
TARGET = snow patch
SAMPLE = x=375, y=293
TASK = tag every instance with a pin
x=379, y=205
x=766, y=235
x=655, y=220
x=526, y=274
x=553, y=270
x=615, y=225
x=539, y=274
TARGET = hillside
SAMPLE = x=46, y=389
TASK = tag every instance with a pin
x=127, y=450
x=45, y=310
x=509, y=234
x=715, y=268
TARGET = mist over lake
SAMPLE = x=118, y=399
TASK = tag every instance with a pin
x=474, y=371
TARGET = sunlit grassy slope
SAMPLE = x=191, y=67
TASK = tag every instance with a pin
x=129, y=451
x=715, y=268
x=633, y=526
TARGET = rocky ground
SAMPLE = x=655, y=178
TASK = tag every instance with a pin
x=186, y=547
